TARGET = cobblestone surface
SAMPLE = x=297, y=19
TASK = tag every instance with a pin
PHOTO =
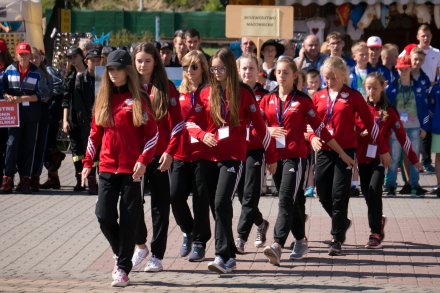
x=50, y=242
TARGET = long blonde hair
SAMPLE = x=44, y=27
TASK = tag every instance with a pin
x=159, y=81
x=103, y=103
x=232, y=90
x=193, y=57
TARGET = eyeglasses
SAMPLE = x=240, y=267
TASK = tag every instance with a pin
x=193, y=67
x=219, y=69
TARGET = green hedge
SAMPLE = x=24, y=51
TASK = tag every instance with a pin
x=211, y=25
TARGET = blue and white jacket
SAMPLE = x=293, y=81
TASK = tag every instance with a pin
x=434, y=97
x=12, y=85
x=421, y=98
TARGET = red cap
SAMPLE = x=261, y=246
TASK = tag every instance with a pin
x=403, y=62
x=23, y=48
x=409, y=47
x=3, y=46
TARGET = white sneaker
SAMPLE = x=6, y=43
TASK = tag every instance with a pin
x=120, y=278
x=218, y=265
x=138, y=257
x=153, y=265
x=273, y=253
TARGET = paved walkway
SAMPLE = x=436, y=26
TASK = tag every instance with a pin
x=50, y=242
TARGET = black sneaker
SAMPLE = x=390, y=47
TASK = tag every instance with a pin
x=260, y=238
x=429, y=169
x=354, y=192
x=197, y=253
x=185, y=249
x=391, y=191
x=418, y=192
x=435, y=190
x=335, y=248
x=406, y=189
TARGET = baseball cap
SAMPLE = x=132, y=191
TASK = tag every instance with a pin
x=118, y=58
x=166, y=45
x=74, y=51
x=3, y=46
x=23, y=48
x=92, y=53
x=106, y=50
x=408, y=48
x=374, y=42
x=403, y=62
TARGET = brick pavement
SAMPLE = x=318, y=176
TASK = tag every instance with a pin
x=50, y=242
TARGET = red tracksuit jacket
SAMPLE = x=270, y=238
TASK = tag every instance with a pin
x=339, y=116
x=234, y=146
x=123, y=144
x=170, y=127
x=189, y=149
x=392, y=122
x=298, y=111
x=254, y=142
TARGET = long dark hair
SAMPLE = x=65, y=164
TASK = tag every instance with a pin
x=159, y=80
x=232, y=90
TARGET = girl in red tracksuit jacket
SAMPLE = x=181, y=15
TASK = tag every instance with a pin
x=188, y=166
x=123, y=129
x=371, y=171
x=288, y=111
x=165, y=109
x=337, y=106
x=249, y=188
x=227, y=107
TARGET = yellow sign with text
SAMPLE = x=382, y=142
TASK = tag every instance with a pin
x=260, y=22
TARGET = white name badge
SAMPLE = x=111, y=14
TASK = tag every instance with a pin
x=223, y=132
x=25, y=104
x=194, y=140
x=404, y=116
x=248, y=134
x=371, y=151
x=280, y=142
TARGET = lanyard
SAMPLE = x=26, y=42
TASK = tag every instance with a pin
x=278, y=109
x=329, y=113
x=224, y=112
x=404, y=97
x=192, y=99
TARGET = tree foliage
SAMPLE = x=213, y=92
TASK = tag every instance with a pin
x=190, y=5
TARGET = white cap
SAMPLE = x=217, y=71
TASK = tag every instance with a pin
x=374, y=41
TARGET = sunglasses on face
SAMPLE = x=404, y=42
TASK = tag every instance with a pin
x=193, y=67
x=219, y=69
